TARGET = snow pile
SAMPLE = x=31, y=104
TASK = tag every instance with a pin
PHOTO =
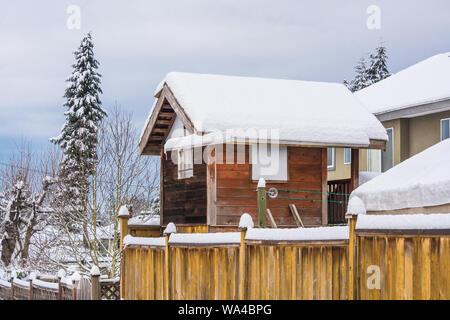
x=143, y=241
x=356, y=206
x=95, y=271
x=145, y=220
x=365, y=176
x=299, y=234
x=123, y=211
x=422, y=180
x=171, y=228
x=425, y=82
x=61, y=273
x=404, y=221
x=261, y=183
x=319, y=113
x=246, y=221
x=206, y=238
x=76, y=276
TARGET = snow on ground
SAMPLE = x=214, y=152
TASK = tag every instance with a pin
x=422, y=180
x=404, y=221
x=425, y=82
x=299, y=234
x=144, y=241
x=304, y=112
x=206, y=238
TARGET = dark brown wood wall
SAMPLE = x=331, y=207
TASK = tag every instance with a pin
x=235, y=192
x=184, y=201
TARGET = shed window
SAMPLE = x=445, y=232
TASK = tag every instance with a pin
x=347, y=155
x=269, y=162
x=185, y=163
x=331, y=152
x=445, y=129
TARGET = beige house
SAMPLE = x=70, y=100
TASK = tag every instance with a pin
x=414, y=107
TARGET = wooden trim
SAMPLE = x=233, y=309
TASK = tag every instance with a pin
x=437, y=232
x=376, y=144
x=324, y=187
x=296, y=215
x=167, y=93
x=270, y=218
x=150, y=125
x=211, y=189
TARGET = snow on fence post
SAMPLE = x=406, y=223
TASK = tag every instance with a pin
x=124, y=215
x=244, y=223
x=75, y=281
x=95, y=283
x=262, y=203
x=61, y=274
x=171, y=228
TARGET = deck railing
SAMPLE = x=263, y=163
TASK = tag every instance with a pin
x=338, y=193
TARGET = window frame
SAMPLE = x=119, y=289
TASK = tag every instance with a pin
x=393, y=150
x=332, y=167
x=183, y=171
x=267, y=179
x=350, y=161
x=368, y=160
x=441, y=122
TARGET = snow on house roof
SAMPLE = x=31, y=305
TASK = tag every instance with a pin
x=422, y=180
x=304, y=112
x=403, y=221
x=425, y=82
x=299, y=234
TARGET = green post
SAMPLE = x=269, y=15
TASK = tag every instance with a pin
x=262, y=203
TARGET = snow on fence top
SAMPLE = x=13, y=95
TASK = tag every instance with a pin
x=123, y=211
x=420, y=181
x=95, y=271
x=45, y=284
x=171, y=228
x=304, y=112
x=144, y=220
x=425, y=82
x=4, y=283
x=299, y=234
x=21, y=283
x=205, y=238
x=143, y=241
x=356, y=206
x=403, y=222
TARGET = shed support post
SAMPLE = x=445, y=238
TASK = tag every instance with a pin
x=262, y=203
x=242, y=265
x=354, y=169
x=30, y=297
x=166, y=269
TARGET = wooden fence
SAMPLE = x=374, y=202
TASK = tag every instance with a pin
x=61, y=289
x=233, y=268
x=369, y=264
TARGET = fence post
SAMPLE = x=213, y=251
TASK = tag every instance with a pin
x=242, y=264
x=351, y=256
x=75, y=280
x=61, y=274
x=124, y=215
x=95, y=283
x=30, y=296
x=171, y=228
x=262, y=203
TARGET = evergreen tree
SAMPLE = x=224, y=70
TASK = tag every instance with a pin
x=362, y=78
x=79, y=134
x=378, y=69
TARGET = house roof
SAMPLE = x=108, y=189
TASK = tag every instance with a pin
x=422, y=83
x=420, y=181
x=304, y=112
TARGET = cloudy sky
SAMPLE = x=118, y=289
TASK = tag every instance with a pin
x=138, y=42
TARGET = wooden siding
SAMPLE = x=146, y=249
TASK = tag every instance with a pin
x=143, y=273
x=184, y=200
x=411, y=266
x=300, y=272
x=235, y=191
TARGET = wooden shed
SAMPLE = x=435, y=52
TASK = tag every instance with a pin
x=217, y=135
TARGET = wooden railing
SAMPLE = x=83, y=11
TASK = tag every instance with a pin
x=338, y=194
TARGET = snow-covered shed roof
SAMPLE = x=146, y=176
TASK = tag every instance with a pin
x=425, y=82
x=420, y=181
x=304, y=112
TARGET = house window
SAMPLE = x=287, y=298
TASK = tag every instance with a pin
x=185, y=163
x=445, y=129
x=374, y=160
x=387, y=157
x=347, y=155
x=269, y=162
x=331, y=153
